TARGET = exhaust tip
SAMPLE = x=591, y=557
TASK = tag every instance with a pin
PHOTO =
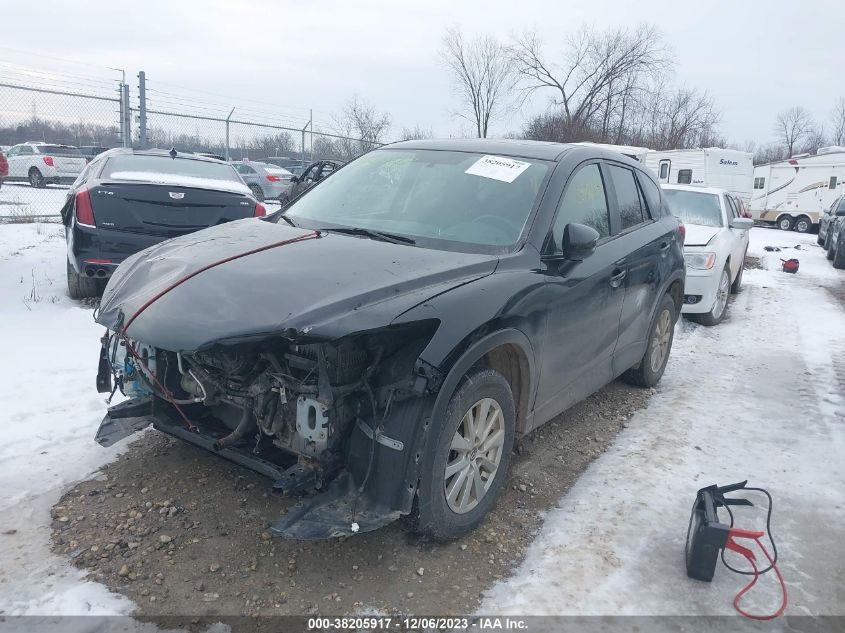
x=101, y=272
x=89, y=271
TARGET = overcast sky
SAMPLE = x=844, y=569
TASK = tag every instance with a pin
x=754, y=58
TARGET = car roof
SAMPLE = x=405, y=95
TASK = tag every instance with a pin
x=540, y=150
x=697, y=189
x=519, y=148
x=134, y=151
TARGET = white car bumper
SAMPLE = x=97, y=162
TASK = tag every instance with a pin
x=700, y=290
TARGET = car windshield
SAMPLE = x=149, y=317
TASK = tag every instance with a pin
x=441, y=199
x=134, y=164
x=59, y=150
x=695, y=207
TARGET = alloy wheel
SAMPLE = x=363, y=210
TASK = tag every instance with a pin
x=660, y=340
x=474, y=455
x=722, y=295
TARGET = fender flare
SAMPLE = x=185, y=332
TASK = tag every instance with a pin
x=476, y=351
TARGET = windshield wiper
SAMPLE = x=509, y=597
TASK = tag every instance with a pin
x=376, y=235
x=288, y=220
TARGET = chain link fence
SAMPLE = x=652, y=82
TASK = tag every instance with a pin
x=74, y=125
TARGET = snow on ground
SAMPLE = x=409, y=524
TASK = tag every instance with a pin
x=21, y=199
x=50, y=411
x=758, y=397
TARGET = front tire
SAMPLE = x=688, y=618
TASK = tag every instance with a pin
x=803, y=225
x=649, y=370
x=785, y=223
x=720, y=304
x=736, y=286
x=80, y=286
x=468, y=461
x=36, y=178
x=258, y=192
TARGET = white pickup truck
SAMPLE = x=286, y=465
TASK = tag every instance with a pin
x=43, y=163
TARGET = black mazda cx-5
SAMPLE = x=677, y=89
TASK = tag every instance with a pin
x=384, y=340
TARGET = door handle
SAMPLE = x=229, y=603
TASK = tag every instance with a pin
x=617, y=276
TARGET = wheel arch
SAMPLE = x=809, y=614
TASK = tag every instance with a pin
x=509, y=352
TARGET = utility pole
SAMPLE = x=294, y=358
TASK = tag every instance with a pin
x=302, y=146
x=127, y=117
x=227, y=134
x=142, y=111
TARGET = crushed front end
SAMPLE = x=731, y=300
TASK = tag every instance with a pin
x=344, y=417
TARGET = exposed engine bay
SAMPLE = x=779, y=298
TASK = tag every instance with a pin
x=294, y=403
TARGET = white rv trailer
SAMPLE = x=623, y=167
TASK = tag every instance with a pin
x=631, y=151
x=727, y=169
x=793, y=193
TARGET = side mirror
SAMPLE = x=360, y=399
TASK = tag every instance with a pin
x=579, y=241
x=742, y=223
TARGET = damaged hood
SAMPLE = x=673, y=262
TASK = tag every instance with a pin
x=323, y=287
x=698, y=235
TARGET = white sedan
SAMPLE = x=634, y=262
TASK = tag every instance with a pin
x=714, y=248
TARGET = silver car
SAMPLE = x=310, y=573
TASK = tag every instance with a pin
x=264, y=179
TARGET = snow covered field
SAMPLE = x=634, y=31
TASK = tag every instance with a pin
x=758, y=397
x=17, y=198
x=49, y=411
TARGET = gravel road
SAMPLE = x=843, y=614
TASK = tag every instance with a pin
x=182, y=532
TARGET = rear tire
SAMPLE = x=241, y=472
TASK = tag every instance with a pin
x=830, y=249
x=36, y=178
x=839, y=256
x=649, y=370
x=785, y=223
x=80, y=286
x=803, y=225
x=257, y=192
x=719, y=309
x=437, y=516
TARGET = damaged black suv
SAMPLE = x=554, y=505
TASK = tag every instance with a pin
x=385, y=339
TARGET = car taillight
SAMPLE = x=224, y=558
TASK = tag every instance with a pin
x=682, y=230
x=48, y=160
x=273, y=178
x=260, y=211
x=84, y=210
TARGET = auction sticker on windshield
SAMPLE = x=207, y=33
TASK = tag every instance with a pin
x=498, y=168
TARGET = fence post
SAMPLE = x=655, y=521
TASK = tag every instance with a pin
x=126, y=122
x=227, y=134
x=311, y=123
x=142, y=111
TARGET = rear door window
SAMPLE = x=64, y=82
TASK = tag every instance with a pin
x=583, y=202
x=627, y=196
x=652, y=195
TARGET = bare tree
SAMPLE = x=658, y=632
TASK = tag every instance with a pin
x=837, y=132
x=416, y=132
x=600, y=79
x=793, y=127
x=482, y=74
x=680, y=119
x=364, y=126
x=815, y=138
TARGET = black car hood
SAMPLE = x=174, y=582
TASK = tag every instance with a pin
x=323, y=287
